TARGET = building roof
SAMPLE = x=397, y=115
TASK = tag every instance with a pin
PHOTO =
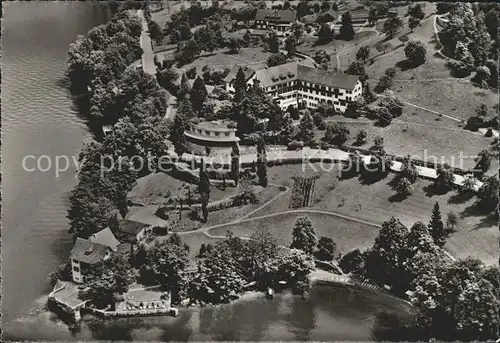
x=328, y=14
x=105, y=237
x=215, y=126
x=87, y=252
x=234, y=70
x=326, y=78
x=131, y=227
x=276, y=15
x=297, y=71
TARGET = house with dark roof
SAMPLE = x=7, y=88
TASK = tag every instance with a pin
x=279, y=20
x=132, y=231
x=229, y=79
x=326, y=17
x=295, y=83
x=87, y=253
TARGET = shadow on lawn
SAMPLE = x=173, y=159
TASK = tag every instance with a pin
x=490, y=218
x=460, y=198
x=432, y=189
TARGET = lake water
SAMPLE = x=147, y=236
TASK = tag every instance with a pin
x=38, y=119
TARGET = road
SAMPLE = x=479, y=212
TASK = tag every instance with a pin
x=148, y=64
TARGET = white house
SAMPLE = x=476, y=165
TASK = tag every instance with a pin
x=87, y=253
x=295, y=83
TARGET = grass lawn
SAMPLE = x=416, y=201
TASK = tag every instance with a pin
x=476, y=236
x=430, y=85
x=156, y=188
x=230, y=214
x=434, y=138
x=346, y=233
x=222, y=59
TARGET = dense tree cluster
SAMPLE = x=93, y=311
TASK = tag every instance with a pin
x=471, y=37
x=441, y=289
x=95, y=61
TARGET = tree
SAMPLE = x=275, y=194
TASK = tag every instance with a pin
x=326, y=249
x=219, y=276
x=167, y=78
x=368, y=94
x=361, y=137
x=386, y=259
x=416, y=12
x=483, y=162
x=109, y=278
x=437, y=229
x=476, y=311
x=482, y=110
x=413, y=23
x=198, y=94
x=235, y=163
x=187, y=51
x=155, y=31
x=346, y=31
x=321, y=57
x=303, y=235
x=384, y=116
x=392, y=26
x=277, y=59
x=353, y=262
x=325, y=34
x=336, y=133
x=204, y=190
x=452, y=221
x=262, y=162
x=325, y=6
x=291, y=44
x=445, y=179
x=166, y=260
x=469, y=185
x=306, y=129
x=415, y=52
x=262, y=248
x=273, y=43
x=488, y=194
x=233, y=45
x=383, y=47
x=240, y=85
x=177, y=135
x=384, y=83
x=357, y=68
x=408, y=170
x=363, y=53
x=372, y=16
x=205, y=37
x=403, y=186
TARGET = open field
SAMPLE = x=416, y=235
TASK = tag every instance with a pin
x=346, y=233
x=231, y=214
x=157, y=187
x=476, y=236
x=434, y=138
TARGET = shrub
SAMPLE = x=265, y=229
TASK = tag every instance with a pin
x=324, y=146
x=391, y=72
x=361, y=137
x=63, y=273
x=489, y=133
x=458, y=69
x=384, y=83
x=415, y=52
x=191, y=73
x=384, y=116
x=319, y=122
x=482, y=74
x=295, y=145
x=474, y=123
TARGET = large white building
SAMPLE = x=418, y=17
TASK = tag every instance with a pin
x=295, y=83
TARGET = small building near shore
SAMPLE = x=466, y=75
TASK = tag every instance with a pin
x=87, y=253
